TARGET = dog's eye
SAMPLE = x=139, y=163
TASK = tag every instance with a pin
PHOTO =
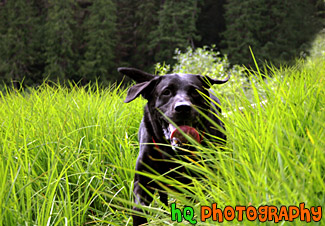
x=196, y=93
x=166, y=92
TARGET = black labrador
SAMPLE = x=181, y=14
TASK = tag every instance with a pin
x=174, y=97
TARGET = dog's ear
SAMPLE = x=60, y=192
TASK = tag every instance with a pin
x=208, y=82
x=143, y=88
x=137, y=75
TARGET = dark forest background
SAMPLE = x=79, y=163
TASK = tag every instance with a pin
x=84, y=40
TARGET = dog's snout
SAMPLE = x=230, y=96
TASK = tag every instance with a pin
x=183, y=107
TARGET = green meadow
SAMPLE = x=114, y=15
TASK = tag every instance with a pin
x=68, y=153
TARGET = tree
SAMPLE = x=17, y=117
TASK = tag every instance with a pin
x=146, y=17
x=59, y=51
x=277, y=31
x=100, y=41
x=125, y=33
x=18, y=32
x=176, y=28
x=210, y=23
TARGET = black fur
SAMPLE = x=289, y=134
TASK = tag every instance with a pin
x=174, y=95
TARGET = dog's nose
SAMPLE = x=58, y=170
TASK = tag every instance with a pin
x=183, y=107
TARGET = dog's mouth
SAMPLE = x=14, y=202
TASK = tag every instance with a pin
x=176, y=135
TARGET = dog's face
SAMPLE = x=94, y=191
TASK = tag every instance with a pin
x=172, y=97
x=178, y=96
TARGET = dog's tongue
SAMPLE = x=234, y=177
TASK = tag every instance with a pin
x=190, y=131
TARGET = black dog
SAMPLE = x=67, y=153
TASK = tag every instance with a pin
x=175, y=97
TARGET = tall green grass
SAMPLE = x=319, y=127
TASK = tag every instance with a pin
x=68, y=154
x=60, y=150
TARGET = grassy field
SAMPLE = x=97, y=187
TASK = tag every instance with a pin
x=67, y=155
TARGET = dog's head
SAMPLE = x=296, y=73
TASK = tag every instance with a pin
x=172, y=97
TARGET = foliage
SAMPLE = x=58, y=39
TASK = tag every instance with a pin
x=18, y=42
x=207, y=61
x=152, y=31
x=318, y=47
x=99, y=40
x=277, y=31
x=59, y=52
x=87, y=40
x=126, y=33
x=147, y=17
x=210, y=23
x=173, y=30
x=67, y=155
